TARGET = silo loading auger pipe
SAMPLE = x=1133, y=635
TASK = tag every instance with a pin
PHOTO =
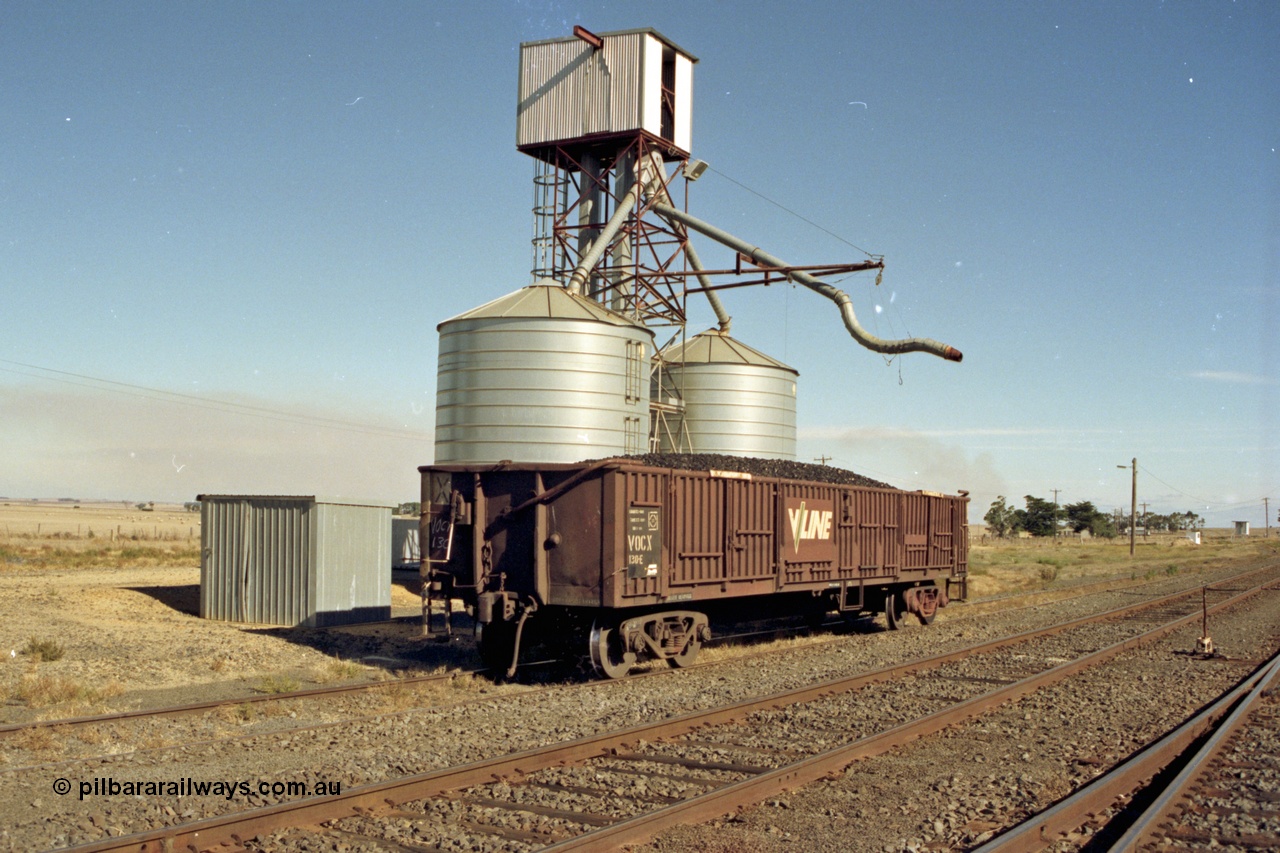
x=651, y=183
x=837, y=296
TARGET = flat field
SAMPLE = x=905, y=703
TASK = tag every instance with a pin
x=99, y=610
x=75, y=521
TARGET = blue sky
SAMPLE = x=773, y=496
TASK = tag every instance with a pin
x=230, y=230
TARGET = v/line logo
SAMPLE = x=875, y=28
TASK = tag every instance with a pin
x=808, y=524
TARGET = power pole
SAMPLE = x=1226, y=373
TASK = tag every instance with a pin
x=1133, y=503
x=1133, y=506
x=1266, y=513
x=1055, y=512
x=821, y=459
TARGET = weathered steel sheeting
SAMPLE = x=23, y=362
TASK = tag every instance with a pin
x=570, y=91
x=721, y=536
x=294, y=560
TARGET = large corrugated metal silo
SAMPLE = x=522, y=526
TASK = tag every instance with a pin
x=541, y=375
x=733, y=399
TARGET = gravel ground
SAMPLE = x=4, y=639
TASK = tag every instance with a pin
x=894, y=807
x=955, y=789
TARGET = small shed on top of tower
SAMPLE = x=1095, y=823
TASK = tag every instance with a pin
x=590, y=88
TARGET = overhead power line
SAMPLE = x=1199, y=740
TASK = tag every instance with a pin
x=208, y=403
x=781, y=206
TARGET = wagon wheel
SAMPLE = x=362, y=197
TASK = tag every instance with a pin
x=895, y=611
x=928, y=608
x=607, y=656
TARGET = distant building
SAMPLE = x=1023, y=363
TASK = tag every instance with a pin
x=1242, y=528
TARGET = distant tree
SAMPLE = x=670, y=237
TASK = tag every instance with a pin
x=1040, y=516
x=1081, y=516
x=1001, y=519
x=1185, y=520
x=191, y=506
x=409, y=508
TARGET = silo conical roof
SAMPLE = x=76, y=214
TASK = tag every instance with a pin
x=544, y=299
x=715, y=347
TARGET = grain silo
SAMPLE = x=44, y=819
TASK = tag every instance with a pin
x=727, y=398
x=541, y=375
x=559, y=371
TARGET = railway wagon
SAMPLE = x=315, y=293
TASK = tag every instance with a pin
x=628, y=560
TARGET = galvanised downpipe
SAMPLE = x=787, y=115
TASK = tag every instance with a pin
x=837, y=296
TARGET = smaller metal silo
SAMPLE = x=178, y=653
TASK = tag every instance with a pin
x=541, y=375
x=730, y=399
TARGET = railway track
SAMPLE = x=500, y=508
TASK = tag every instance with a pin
x=620, y=787
x=1212, y=782
x=66, y=725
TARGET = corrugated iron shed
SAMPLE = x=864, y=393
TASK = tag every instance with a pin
x=405, y=553
x=297, y=560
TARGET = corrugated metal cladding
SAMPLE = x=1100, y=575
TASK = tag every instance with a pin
x=294, y=560
x=737, y=400
x=712, y=534
x=568, y=90
x=405, y=553
x=541, y=375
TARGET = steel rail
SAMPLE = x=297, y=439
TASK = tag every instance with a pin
x=208, y=832
x=1147, y=827
x=721, y=801
x=1046, y=827
x=213, y=704
x=975, y=607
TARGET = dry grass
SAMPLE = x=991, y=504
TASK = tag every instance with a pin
x=41, y=691
x=274, y=684
x=48, y=556
x=334, y=671
x=94, y=735
x=39, y=740
x=237, y=715
x=154, y=740
x=60, y=535
x=1022, y=565
x=43, y=650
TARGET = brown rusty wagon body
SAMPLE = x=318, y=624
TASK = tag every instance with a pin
x=643, y=554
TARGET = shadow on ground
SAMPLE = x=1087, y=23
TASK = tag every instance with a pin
x=184, y=598
x=394, y=645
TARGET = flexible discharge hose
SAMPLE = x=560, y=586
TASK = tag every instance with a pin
x=763, y=258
